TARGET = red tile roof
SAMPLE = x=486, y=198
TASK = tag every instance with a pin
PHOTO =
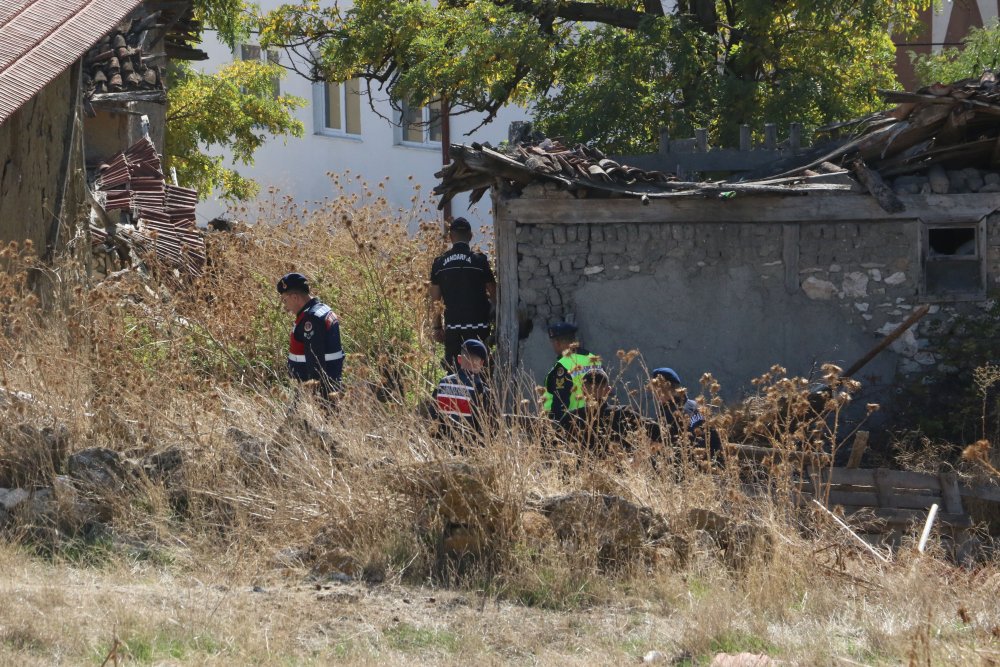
x=39, y=39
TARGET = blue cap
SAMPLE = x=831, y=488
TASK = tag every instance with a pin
x=293, y=281
x=561, y=330
x=474, y=348
x=668, y=373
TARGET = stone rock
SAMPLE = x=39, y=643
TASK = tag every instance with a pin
x=938, y=178
x=973, y=178
x=906, y=344
x=654, y=657
x=990, y=188
x=855, y=284
x=818, y=289
x=925, y=358
x=875, y=274
x=332, y=560
x=592, y=270
x=741, y=660
x=991, y=178
x=160, y=465
x=862, y=307
x=11, y=498
x=98, y=469
x=897, y=278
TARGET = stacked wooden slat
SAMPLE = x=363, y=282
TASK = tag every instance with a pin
x=164, y=214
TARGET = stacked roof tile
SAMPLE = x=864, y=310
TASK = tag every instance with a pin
x=116, y=63
x=163, y=215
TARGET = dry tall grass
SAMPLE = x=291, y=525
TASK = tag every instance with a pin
x=277, y=492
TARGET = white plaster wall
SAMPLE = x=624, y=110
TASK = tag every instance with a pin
x=300, y=167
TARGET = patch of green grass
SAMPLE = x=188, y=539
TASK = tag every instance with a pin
x=145, y=648
x=736, y=641
x=405, y=637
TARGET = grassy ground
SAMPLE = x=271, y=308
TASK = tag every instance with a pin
x=230, y=559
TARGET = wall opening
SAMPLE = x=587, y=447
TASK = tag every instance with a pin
x=953, y=262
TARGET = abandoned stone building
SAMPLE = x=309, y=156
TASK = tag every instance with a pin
x=732, y=277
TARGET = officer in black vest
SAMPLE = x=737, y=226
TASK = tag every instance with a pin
x=464, y=281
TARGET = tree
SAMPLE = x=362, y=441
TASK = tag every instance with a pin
x=611, y=71
x=231, y=109
x=980, y=51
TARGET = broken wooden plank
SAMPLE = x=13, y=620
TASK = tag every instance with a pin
x=950, y=493
x=858, y=448
x=887, y=199
x=914, y=317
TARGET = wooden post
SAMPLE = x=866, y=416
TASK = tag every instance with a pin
x=745, y=138
x=770, y=136
x=950, y=493
x=505, y=230
x=858, y=449
x=795, y=136
x=664, y=140
x=701, y=140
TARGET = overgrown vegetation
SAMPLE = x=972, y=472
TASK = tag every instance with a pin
x=980, y=51
x=276, y=492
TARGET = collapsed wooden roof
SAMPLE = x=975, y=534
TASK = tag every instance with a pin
x=937, y=127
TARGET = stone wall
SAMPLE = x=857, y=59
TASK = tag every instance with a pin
x=719, y=297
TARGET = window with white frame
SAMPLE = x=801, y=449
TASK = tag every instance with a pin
x=338, y=106
x=250, y=52
x=953, y=261
x=420, y=124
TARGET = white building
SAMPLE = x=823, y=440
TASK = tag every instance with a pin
x=343, y=132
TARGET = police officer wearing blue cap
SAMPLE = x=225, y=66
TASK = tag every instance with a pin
x=314, y=350
x=563, y=384
x=462, y=399
x=464, y=280
x=679, y=414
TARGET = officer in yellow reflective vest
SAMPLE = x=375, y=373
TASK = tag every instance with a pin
x=564, y=383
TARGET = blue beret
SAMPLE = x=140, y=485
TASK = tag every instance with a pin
x=561, y=330
x=293, y=281
x=475, y=348
x=460, y=224
x=668, y=373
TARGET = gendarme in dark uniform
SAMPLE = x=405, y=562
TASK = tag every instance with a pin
x=464, y=280
x=314, y=350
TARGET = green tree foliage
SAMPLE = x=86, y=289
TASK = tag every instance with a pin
x=234, y=109
x=980, y=51
x=612, y=71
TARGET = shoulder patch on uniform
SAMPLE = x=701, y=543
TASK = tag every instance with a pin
x=560, y=371
x=308, y=326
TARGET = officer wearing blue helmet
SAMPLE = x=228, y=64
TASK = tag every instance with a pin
x=314, y=350
x=680, y=415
